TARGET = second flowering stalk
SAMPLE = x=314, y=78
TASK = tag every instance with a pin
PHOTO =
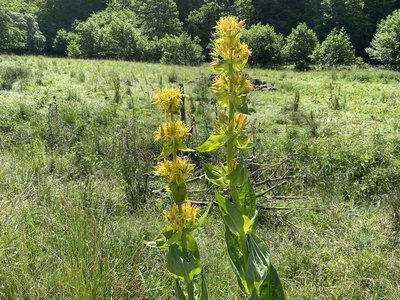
x=182, y=217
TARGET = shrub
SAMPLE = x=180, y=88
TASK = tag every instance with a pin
x=336, y=50
x=385, y=43
x=20, y=32
x=265, y=44
x=300, y=44
x=109, y=34
x=181, y=50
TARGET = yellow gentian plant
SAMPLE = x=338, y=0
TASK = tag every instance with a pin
x=248, y=254
x=183, y=259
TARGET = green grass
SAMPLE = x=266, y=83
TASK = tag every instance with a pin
x=76, y=144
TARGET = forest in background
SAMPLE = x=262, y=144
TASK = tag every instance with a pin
x=52, y=26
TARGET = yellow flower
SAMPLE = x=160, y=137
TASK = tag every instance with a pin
x=175, y=172
x=241, y=121
x=172, y=132
x=229, y=26
x=184, y=216
x=235, y=85
x=238, y=52
x=169, y=99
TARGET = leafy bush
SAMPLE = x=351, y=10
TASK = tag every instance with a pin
x=265, y=44
x=181, y=50
x=109, y=34
x=300, y=44
x=20, y=32
x=336, y=50
x=385, y=44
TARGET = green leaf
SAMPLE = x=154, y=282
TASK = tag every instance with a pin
x=179, y=295
x=248, y=200
x=178, y=192
x=182, y=265
x=204, y=216
x=243, y=142
x=222, y=66
x=216, y=175
x=234, y=251
x=203, y=288
x=167, y=238
x=214, y=142
x=258, y=263
x=167, y=150
x=272, y=289
x=239, y=175
x=191, y=245
x=240, y=103
x=231, y=216
x=182, y=147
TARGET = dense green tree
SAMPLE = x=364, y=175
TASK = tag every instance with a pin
x=20, y=32
x=286, y=14
x=335, y=50
x=56, y=14
x=265, y=44
x=385, y=46
x=158, y=17
x=350, y=15
x=300, y=44
x=12, y=37
x=185, y=7
x=200, y=22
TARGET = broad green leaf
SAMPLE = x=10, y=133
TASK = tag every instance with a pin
x=216, y=175
x=167, y=150
x=179, y=295
x=272, y=289
x=239, y=175
x=167, y=238
x=181, y=264
x=191, y=245
x=232, y=217
x=214, y=142
x=234, y=251
x=258, y=263
x=178, y=192
x=248, y=200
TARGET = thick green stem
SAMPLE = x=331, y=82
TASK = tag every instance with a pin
x=190, y=290
x=231, y=165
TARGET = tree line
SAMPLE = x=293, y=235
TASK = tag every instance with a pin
x=181, y=30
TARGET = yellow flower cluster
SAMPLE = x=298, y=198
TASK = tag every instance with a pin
x=172, y=132
x=170, y=100
x=222, y=122
x=229, y=26
x=175, y=171
x=234, y=84
x=228, y=45
x=184, y=216
x=241, y=121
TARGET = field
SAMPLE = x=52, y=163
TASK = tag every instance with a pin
x=77, y=150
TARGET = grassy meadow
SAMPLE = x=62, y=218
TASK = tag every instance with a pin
x=76, y=201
